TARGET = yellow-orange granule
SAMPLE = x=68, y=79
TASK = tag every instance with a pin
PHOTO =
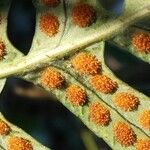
x=52, y=3
x=83, y=15
x=49, y=24
x=18, y=143
x=2, y=50
x=124, y=134
x=144, y=119
x=102, y=83
x=86, y=63
x=143, y=144
x=99, y=114
x=51, y=78
x=125, y=101
x=141, y=41
x=76, y=95
x=4, y=128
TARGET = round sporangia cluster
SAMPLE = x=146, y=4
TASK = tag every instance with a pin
x=141, y=41
x=86, y=64
x=2, y=50
x=4, y=128
x=125, y=101
x=49, y=24
x=51, y=78
x=143, y=144
x=124, y=134
x=83, y=15
x=52, y=3
x=99, y=114
x=103, y=84
x=76, y=95
x=18, y=143
x=144, y=119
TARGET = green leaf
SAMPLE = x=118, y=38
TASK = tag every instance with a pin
x=72, y=76
x=17, y=132
x=124, y=41
x=69, y=40
x=70, y=37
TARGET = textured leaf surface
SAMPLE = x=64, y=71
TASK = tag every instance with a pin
x=17, y=132
x=69, y=37
x=73, y=77
x=124, y=41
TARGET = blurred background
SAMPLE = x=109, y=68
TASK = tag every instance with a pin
x=42, y=116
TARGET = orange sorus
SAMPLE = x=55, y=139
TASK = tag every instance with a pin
x=2, y=50
x=144, y=119
x=141, y=41
x=49, y=24
x=102, y=83
x=125, y=101
x=86, y=63
x=99, y=114
x=76, y=95
x=18, y=143
x=124, y=134
x=83, y=15
x=51, y=2
x=143, y=144
x=4, y=128
x=51, y=78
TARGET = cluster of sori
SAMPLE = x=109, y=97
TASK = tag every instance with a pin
x=84, y=63
x=13, y=142
x=84, y=15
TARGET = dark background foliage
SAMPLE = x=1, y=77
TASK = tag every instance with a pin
x=42, y=116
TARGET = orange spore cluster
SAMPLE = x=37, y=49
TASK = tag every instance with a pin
x=124, y=134
x=86, y=63
x=18, y=143
x=99, y=114
x=2, y=50
x=143, y=144
x=141, y=41
x=76, y=95
x=102, y=83
x=4, y=128
x=51, y=78
x=144, y=119
x=52, y=3
x=49, y=24
x=125, y=101
x=83, y=15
